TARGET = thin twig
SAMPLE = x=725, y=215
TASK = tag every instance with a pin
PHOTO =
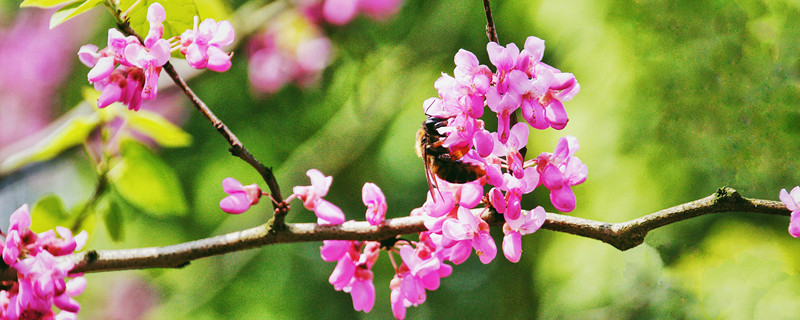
x=491, y=32
x=623, y=236
x=237, y=148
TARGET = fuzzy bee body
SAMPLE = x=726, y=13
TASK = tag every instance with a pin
x=441, y=161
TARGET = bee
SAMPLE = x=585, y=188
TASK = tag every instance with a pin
x=441, y=161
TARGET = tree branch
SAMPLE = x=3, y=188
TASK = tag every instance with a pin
x=491, y=32
x=623, y=235
x=237, y=148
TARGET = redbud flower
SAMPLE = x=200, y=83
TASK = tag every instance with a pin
x=792, y=202
x=561, y=170
x=353, y=272
x=327, y=213
x=137, y=76
x=528, y=222
x=468, y=232
x=40, y=280
x=291, y=49
x=203, y=44
x=373, y=198
x=240, y=197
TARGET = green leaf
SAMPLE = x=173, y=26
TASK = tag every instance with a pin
x=73, y=132
x=214, y=9
x=113, y=221
x=81, y=221
x=180, y=16
x=71, y=11
x=159, y=129
x=44, y=3
x=145, y=181
x=48, y=213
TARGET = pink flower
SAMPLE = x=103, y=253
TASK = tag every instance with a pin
x=792, y=202
x=275, y=62
x=340, y=12
x=327, y=213
x=40, y=277
x=464, y=234
x=561, y=170
x=202, y=45
x=240, y=197
x=528, y=222
x=353, y=272
x=373, y=198
x=422, y=274
x=136, y=77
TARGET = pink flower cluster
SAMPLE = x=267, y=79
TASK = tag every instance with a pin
x=792, y=202
x=127, y=70
x=455, y=224
x=341, y=12
x=41, y=277
x=293, y=48
x=290, y=49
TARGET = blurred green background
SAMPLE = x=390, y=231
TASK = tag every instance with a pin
x=677, y=99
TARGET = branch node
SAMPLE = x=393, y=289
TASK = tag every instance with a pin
x=92, y=256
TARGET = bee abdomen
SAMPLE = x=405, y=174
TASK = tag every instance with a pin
x=457, y=171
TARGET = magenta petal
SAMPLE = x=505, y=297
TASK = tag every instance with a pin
x=218, y=60
x=485, y=247
x=343, y=273
x=521, y=132
x=494, y=175
x=556, y=115
x=465, y=59
x=484, y=143
x=75, y=286
x=224, y=35
x=111, y=93
x=519, y=82
x=66, y=303
x=196, y=57
x=794, y=225
x=328, y=212
x=235, y=203
x=471, y=194
x=497, y=200
x=431, y=280
x=535, y=47
x=563, y=199
x=231, y=185
x=460, y=252
x=11, y=248
x=363, y=294
x=398, y=306
x=512, y=246
x=21, y=219
x=513, y=207
x=102, y=69
x=534, y=220
x=788, y=200
x=88, y=55
x=552, y=178
x=333, y=250
x=453, y=229
x=156, y=13
x=339, y=11
x=161, y=52
x=413, y=291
